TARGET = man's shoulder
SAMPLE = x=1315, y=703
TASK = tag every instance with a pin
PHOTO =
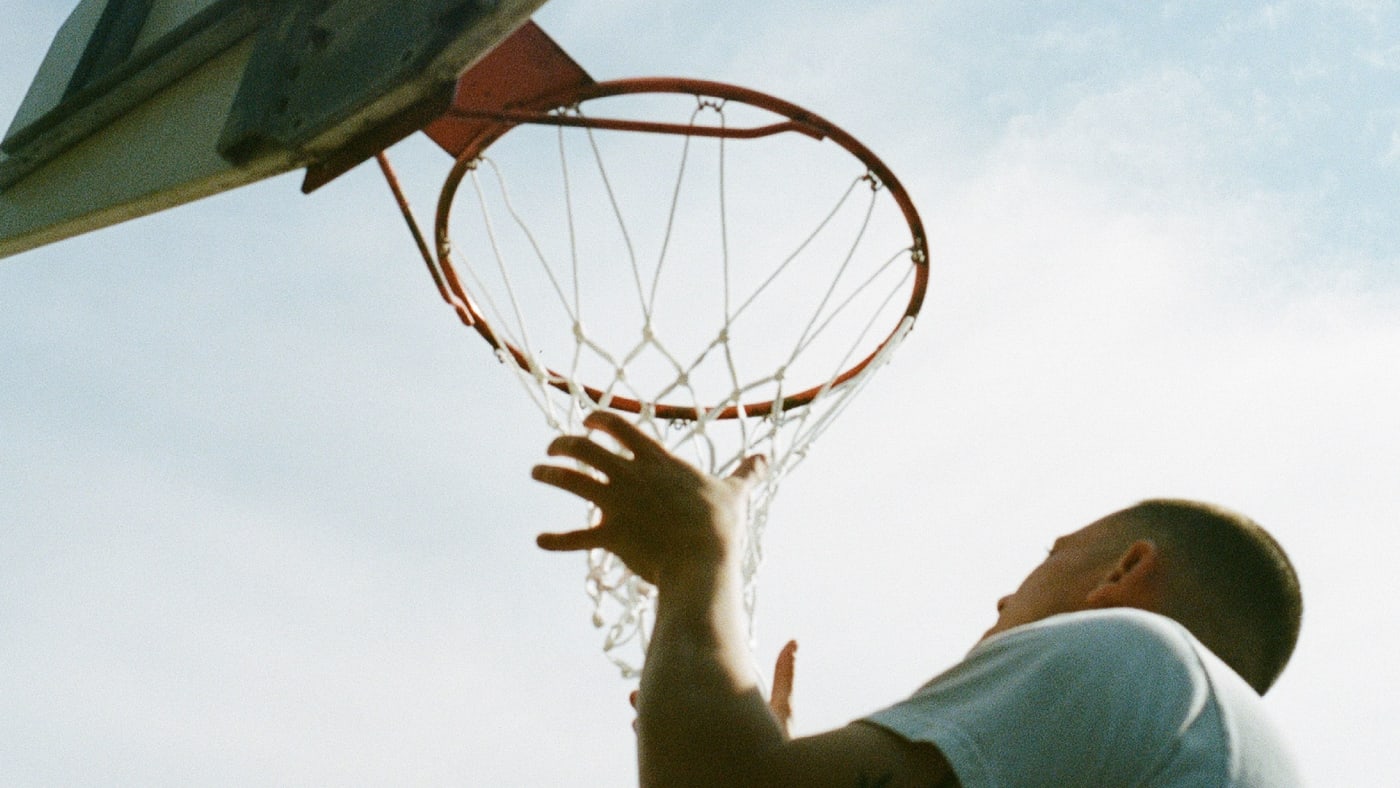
x=1106, y=663
x=1126, y=692
x=1114, y=621
x=1107, y=635
x=1094, y=698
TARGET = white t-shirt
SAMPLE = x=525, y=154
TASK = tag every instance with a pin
x=1116, y=697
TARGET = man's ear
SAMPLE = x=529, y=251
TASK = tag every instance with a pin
x=1134, y=579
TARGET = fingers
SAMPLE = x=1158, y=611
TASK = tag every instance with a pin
x=582, y=485
x=783, y=670
x=629, y=435
x=570, y=480
x=580, y=448
x=585, y=539
x=751, y=471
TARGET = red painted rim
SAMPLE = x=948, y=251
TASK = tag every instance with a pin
x=539, y=111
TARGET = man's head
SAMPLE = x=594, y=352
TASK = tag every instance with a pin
x=1216, y=572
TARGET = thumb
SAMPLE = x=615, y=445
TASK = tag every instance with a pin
x=781, y=700
x=751, y=471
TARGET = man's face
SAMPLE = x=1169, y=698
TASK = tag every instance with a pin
x=1077, y=564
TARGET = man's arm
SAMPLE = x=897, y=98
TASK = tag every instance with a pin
x=780, y=697
x=702, y=720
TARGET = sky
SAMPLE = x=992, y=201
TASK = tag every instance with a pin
x=267, y=516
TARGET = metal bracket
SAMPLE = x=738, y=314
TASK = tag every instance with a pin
x=326, y=72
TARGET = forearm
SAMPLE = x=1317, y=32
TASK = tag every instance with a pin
x=702, y=719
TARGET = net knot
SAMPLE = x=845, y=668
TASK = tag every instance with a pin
x=707, y=102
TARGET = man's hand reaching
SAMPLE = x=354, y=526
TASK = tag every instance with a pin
x=657, y=511
x=701, y=715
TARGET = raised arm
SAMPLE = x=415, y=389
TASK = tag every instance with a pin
x=702, y=720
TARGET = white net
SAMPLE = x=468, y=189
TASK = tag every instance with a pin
x=622, y=602
x=697, y=282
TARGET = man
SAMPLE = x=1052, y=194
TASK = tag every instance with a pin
x=1089, y=676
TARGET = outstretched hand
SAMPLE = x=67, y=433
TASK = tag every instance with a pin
x=657, y=511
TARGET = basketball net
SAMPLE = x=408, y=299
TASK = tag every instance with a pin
x=731, y=289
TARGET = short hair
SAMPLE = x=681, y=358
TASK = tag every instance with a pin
x=1227, y=581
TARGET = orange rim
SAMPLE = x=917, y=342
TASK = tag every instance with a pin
x=544, y=111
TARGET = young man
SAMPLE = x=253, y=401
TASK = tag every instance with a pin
x=1094, y=673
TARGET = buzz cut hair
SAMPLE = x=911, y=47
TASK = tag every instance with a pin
x=1228, y=581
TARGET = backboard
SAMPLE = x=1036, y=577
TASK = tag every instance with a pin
x=142, y=105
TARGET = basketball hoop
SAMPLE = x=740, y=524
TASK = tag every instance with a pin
x=652, y=268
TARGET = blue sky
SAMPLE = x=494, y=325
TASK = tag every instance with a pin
x=268, y=518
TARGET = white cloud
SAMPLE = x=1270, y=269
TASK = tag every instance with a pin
x=1391, y=157
x=1387, y=59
